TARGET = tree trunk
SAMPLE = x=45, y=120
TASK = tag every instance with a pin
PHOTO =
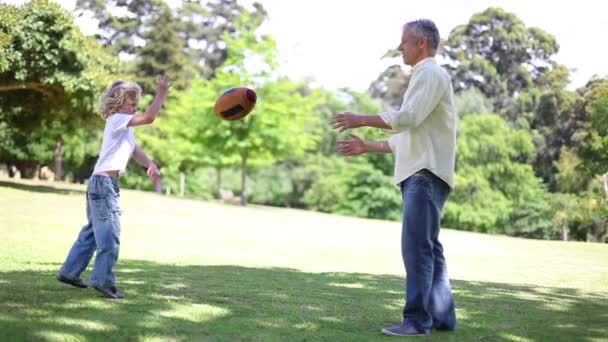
x=565, y=231
x=27, y=169
x=182, y=184
x=605, y=183
x=218, y=173
x=11, y=171
x=244, y=178
x=58, y=159
x=600, y=231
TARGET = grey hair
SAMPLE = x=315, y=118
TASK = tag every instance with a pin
x=425, y=28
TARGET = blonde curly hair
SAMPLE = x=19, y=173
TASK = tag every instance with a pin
x=115, y=96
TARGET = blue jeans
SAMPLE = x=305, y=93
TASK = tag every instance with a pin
x=429, y=302
x=101, y=233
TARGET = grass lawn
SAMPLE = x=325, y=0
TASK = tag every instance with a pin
x=205, y=271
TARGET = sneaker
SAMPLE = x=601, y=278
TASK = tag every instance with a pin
x=405, y=328
x=443, y=327
x=110, y=292
x=72, y=281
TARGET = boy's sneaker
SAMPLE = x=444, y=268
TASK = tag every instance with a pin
x=443, y=327
x=72, y=281
x=405, y=328
x=110, y=292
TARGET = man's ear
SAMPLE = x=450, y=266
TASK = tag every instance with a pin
x=424, y=41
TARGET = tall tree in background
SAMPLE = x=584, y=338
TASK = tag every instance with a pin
x=472, y=101
x=144, y=32
x=203, y=26
x=496, y=53
x=592, y=137
x=162, y=51
x=199, y=26
x=512, y=65
x=122, y=23
x=390, y=86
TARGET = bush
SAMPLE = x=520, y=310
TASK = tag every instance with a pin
x=372, y=194
x=347, y=186
x=271, y=185
x=496, y=190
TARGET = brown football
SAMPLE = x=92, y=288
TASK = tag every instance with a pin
x=235, y=103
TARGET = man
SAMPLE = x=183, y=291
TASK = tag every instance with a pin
x=424, y=143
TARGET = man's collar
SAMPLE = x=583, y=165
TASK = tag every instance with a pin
x=417, y=66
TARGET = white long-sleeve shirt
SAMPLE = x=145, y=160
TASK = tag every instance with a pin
x=424, y=127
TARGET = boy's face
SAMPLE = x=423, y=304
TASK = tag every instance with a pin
x=129, y=106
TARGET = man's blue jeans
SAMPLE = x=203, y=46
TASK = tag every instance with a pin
x=101, y=233
x=429, y=302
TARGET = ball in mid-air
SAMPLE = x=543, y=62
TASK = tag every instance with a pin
x=235, y=103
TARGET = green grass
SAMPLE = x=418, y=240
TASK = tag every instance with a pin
x=195, y=270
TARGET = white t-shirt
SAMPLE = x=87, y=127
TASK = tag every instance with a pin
x=424, y=127
x=117, y=145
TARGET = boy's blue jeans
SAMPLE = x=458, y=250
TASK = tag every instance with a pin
x=101, y=233
x=429, y=302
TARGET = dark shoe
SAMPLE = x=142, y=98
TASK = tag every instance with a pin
x=406, y=328
x=110, y=292
x=72, y=281
x=443, y=327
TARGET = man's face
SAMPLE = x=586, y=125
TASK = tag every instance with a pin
x=411, y=47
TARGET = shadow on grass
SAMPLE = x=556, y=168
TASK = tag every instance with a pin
x=40, y=188
x=228, y=303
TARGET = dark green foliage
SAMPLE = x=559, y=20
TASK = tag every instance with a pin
x=50, y=76
x=496, y=192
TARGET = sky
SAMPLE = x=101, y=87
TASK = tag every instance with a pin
x=339, y=43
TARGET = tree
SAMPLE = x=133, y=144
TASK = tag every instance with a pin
x=553, y=124
x=592, y=136
x=162, y=52
x=390, y=86
x=472, y=101
x=281, y=125
x=204, y=26
x=50, y=76
x=569, y=179
x=512, y=64
x=122, y=23
x=200, y=27
x=496, y=192
x=594, y=226
x=496, y=53
x=584, y=217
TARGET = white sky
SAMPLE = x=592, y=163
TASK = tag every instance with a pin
x=338, y=43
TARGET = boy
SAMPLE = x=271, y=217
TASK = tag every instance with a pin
x=117, y=106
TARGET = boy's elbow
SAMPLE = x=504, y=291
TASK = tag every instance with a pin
x=148, y=118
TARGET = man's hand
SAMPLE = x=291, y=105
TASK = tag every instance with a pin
x=344, y=121
x=153, y=173
x=352, y=147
